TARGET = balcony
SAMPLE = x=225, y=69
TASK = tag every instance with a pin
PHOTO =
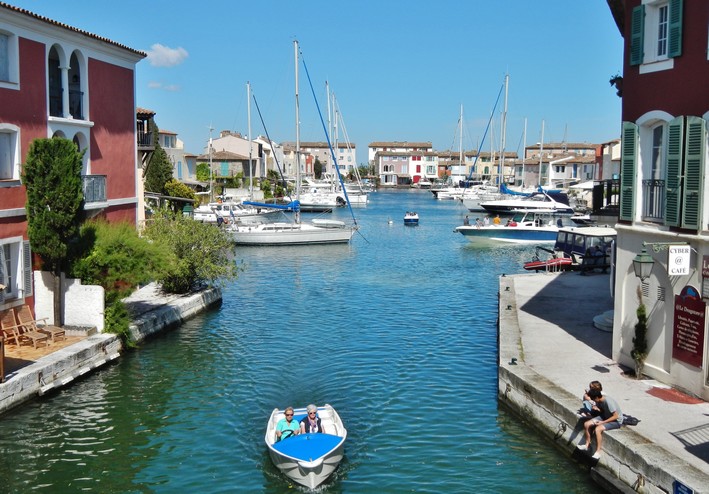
x=653, y=200
x=94, y=191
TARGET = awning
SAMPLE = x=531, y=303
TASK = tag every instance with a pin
x=583, y=185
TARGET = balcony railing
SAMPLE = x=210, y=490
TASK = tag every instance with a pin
x=94, y=188
x=653, y=200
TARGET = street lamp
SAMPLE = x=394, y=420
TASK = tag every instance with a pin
x=642, y=265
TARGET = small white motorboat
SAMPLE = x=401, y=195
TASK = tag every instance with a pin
x=308, y=459
x=411, y=218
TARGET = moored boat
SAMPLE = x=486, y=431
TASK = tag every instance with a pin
x=524, y=227
x=577, y=248
x=544, y=200
x=310, y=458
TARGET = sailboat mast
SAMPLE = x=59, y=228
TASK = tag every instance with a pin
x=541, y=154
x=248, y=117
x=211, y=179
x=524, y=150
x=460, y=142
x=329, y=109
x=504, y=133
x=297, y=134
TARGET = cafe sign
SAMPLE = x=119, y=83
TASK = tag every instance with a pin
x=688, y=328
x=678, y=260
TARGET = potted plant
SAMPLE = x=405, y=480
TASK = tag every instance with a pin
x=639, y=352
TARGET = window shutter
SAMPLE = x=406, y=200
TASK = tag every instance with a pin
x=637, y=32
x=674, y=37
x=27, y=267
x=675, y=137
x=694, y=152
x=628, y=162
x=3, y=279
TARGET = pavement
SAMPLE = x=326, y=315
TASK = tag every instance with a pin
x=558, y=343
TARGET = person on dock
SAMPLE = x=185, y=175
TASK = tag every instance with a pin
x=610, y=418
x=311, y=423
x=287, y=426
x=589, y=408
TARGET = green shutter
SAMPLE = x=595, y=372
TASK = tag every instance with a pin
x=628, y=162
x=27, y=267
x=637, y=32
x=675, y=29
x=675, y=140
x=694, y=151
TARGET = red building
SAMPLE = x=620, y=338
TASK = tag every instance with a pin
x=56, y=80
x=664, y=187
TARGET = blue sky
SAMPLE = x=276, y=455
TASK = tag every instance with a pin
x=399, y=69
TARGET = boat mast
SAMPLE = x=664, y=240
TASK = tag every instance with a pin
x=504, y=132
x=460, y=143
x=541, y=154
x=248, y=117
x=297, y=135
x=329, y=110
x=211, y=180
x=524, y=151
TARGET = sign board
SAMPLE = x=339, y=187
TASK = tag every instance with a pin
x=678, y=260
x=679, y=488
x=688, y=327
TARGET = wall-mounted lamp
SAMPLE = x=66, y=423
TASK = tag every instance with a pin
x=642, y=265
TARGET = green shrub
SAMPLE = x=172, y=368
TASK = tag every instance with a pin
x=203, y=253
x=113, y=256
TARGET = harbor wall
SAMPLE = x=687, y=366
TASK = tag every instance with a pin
x=630, y=463
x=62, y=367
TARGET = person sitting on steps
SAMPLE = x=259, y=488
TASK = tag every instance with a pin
x=610, y=418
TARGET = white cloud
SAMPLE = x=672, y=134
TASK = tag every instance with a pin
x=163, y=56
x=164, y=87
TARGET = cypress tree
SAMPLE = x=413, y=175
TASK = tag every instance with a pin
x=52, y=178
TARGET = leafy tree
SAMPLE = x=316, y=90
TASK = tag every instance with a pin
x=266, y=188
x=640, y=351
x=317, y=168
x=52, y=177
x=175, y=188
x=203, y=252
x=113, y=256
x=159, y=170
x=202, y=172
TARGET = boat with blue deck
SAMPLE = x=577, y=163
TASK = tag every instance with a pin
x=310, y=458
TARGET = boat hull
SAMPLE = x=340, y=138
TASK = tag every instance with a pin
x=308, y=459
x=509, y=234
x=292, y=234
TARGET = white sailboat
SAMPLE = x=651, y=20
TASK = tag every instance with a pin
x=317, y=231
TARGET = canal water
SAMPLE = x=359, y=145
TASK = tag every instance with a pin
x=397, y=331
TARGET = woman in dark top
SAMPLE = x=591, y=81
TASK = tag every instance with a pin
x=311, y=423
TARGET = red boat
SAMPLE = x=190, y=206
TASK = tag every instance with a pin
x=551, y=264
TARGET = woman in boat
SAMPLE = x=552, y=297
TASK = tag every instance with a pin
x=287, y=427
x=312, y=422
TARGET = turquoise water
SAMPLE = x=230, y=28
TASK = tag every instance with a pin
x=397, y=331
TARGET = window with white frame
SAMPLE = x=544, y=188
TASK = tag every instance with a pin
x=9, y=60
x=9, y=152
x=15, y=269
x=656, y=34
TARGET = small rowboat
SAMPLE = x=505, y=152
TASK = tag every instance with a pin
x=551, y=264
x=308, y=459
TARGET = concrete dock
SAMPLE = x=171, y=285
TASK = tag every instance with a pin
x=152, y=312
x=549, y=350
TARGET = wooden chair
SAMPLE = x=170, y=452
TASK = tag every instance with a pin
x=24, y=318
x=22, y=333
x=9, y=328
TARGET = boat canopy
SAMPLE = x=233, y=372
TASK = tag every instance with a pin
x=291, y=206
x=506, y=190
